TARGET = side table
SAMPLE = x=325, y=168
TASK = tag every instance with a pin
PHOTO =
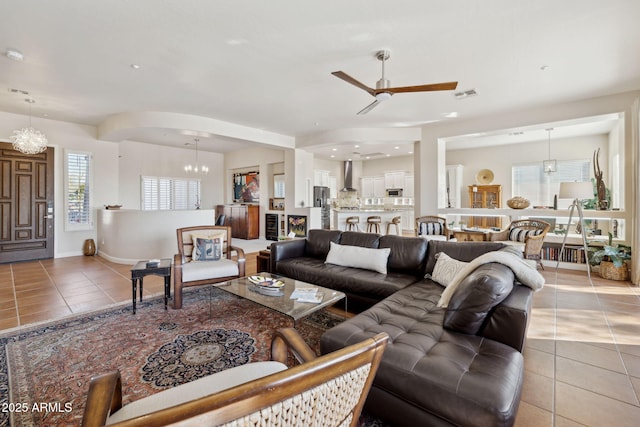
x=470, y=236
x=140, y=270
x=264, y=261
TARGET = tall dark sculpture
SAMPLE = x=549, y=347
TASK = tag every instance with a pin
x=601, y=190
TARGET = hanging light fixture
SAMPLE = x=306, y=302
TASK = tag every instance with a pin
x=29, y=140
x=197, y=168
x=549, y=165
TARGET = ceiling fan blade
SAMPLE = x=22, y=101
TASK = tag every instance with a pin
x=347, y=78
x=369, y=107
x=421, y=88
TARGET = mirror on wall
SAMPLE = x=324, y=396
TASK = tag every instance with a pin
x=278, y=186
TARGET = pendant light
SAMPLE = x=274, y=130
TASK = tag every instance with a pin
x=197, y=168
x=549, y=165
x=29, y=140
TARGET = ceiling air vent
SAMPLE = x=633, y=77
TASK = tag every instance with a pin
x=465, y=94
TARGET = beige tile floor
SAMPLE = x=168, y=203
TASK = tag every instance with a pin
x=582, y=356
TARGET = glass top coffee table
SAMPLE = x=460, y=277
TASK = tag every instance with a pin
x=281, y=301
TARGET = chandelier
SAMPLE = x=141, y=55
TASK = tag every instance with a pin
x=549, y=165
x=29, y=140
x=197, y=168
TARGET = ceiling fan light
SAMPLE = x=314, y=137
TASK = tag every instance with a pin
x=383, y=96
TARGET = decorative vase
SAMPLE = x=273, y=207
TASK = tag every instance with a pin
x=89, y=247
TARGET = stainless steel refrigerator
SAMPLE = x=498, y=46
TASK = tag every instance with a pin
x=321, y=200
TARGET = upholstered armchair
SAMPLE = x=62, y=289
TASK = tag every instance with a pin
x=432, y=228
x=527, y=234
x=322, y=391
x=193, y=273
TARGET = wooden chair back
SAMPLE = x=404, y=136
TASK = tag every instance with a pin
x=185, y=240
x=327, y=391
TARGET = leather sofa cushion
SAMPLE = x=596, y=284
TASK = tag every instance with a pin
x=460, y=379
x=319, y=241
x=483, y=289
x=462, y=251
x=407, y=253
x=349, y=280
x=354, y=238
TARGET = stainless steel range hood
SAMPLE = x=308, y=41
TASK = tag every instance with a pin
x=348, y=176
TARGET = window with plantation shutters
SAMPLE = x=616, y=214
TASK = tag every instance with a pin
x=531, y=182
x=160, y=193
x=78, y=167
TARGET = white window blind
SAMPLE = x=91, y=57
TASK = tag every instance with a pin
x=531, y=182
x=160, y=193
x=78, y=190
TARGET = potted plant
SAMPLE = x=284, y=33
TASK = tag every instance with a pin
x=612, y=260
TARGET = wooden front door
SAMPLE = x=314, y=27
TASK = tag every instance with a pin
x=26, y=205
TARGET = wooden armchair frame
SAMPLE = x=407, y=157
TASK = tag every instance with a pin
x=533, y=244
x=184, y=256
x=432, y=219
x=255, y=398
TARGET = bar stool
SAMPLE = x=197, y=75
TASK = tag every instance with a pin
x=352, y=223
x=395, y=222
x=373, y=224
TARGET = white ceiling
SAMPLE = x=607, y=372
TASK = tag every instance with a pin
x=267, y=65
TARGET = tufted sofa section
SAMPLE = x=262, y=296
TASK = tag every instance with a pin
x=430, y=375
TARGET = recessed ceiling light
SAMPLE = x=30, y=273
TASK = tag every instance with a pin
x=356, y=146
x=14, y=54
x=397, y=147
x=451, y=115
x=333, y=156
x=410, y=152
x=388, y=155
x=334, y=149
x=135, y=66
x=368, y=157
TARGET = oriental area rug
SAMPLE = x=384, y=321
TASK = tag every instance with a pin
x=45, y=369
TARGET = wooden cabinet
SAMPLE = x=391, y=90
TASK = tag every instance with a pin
x=243, y=219
x=485, y=196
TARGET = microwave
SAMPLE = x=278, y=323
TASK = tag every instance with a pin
x=394, y=192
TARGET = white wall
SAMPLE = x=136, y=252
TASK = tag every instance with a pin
x=61, y=136
x=377, y=167
x=140, y=159
x=500, y=159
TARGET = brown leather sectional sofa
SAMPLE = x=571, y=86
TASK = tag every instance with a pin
x=461, y=365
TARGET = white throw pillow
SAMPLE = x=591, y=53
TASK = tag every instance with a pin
x=359, y=257
x=446, y=268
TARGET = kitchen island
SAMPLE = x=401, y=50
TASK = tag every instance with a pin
x=386, y=215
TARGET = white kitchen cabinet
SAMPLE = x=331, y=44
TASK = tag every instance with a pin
x=321, y=178
x=333, y=187
x=367, y=187
x=394, y=179
x=408, y=186
x=379, y=190
x=407, y=220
